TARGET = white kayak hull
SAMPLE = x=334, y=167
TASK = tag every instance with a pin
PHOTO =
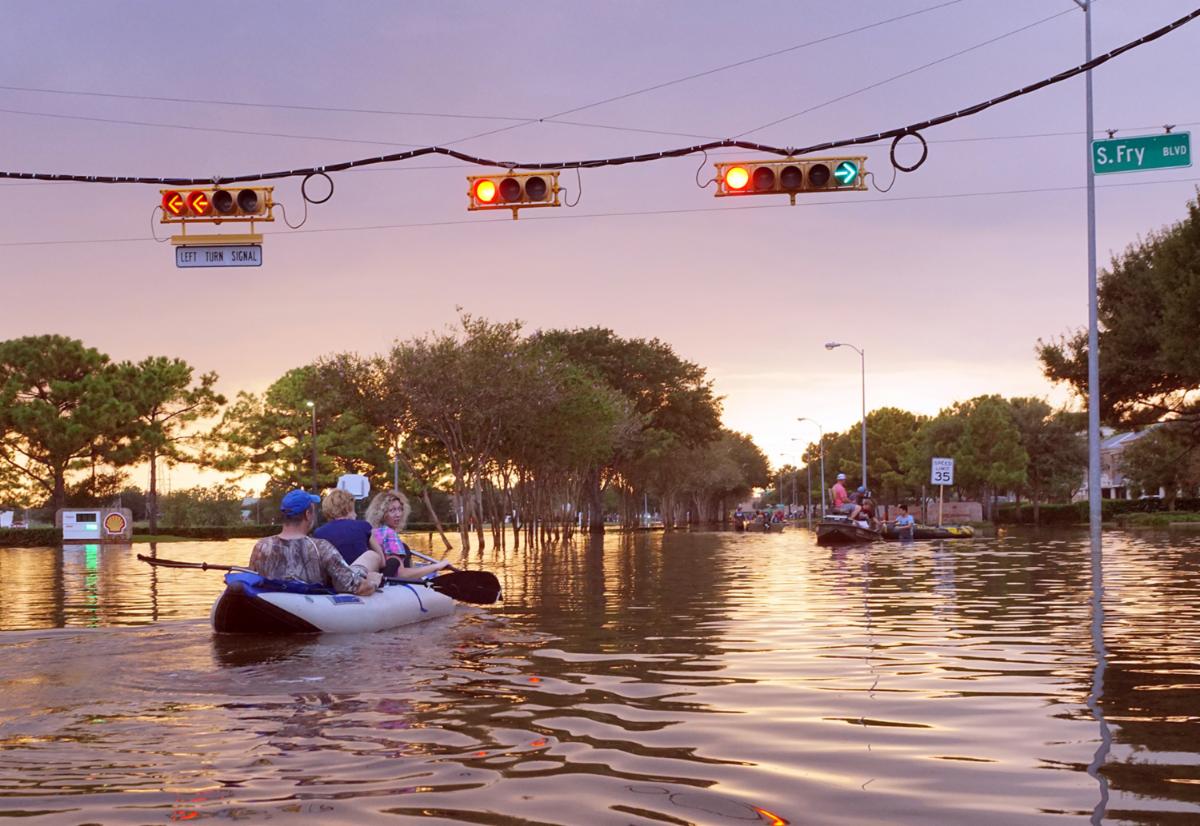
x=251, y=604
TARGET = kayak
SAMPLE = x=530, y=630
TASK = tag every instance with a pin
x=253, y=604
x=767, y=527
x=932, y=532
x=841, y=530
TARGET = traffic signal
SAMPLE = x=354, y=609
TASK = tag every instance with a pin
x=791, y=176
x=512, y=191
x=216, y=204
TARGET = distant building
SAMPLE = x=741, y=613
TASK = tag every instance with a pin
x=250, y=509
x=1113, y=484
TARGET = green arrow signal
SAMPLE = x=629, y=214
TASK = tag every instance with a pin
x=846, y=173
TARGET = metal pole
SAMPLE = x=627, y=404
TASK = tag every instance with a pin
x=808, y=501
x=314, y=448
x=863, y=357
x=1094, y=500
x=1094, y=512
x=823, y=490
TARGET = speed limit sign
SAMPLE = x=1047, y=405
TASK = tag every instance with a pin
x=942, y=472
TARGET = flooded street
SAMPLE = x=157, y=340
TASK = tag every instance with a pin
x=709, y=678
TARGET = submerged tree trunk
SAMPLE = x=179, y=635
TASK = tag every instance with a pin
x=152, y=496
x=595, y=501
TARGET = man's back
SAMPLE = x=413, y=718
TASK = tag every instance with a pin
x=305, y=559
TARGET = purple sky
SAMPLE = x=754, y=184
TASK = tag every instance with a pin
x=947, y=280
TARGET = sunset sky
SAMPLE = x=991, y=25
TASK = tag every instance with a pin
x=947, y=280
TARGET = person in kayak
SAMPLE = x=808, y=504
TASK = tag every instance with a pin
x=293, y=555
x=351, y=536
x=388, y=514
x=905, y=523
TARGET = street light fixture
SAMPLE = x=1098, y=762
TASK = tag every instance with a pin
x=829, y=345
x=821, y=450
x=313, y=407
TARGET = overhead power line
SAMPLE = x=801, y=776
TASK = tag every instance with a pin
x=523, y=120
x=893, y=134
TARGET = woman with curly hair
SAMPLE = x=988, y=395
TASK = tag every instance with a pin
x=388, y=514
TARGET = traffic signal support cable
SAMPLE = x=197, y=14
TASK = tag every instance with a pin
x=894, y=135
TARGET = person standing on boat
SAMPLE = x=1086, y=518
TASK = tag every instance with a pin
x=388, y=514
x=293, y=555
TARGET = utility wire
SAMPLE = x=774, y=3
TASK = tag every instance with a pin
x=192, y=128
x=973, y=139
x=705, y=73
x=254, y=105
x=894, y=134
x=640, y=213
x=906, y=73
x=521, y=121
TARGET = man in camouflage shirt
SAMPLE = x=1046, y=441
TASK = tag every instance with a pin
x=293, y=554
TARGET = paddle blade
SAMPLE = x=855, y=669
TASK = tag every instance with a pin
x=476, y=587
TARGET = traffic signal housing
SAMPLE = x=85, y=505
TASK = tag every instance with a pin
x=217, y=204
x=791, y=176
x=513, y=191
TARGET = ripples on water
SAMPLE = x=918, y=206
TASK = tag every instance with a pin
x=709, y=678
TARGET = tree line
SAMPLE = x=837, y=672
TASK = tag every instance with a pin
x=1000, y=446
x=540, y=432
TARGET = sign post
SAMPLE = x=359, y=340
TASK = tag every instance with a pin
x=941, y=473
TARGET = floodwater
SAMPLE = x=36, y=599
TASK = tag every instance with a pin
x=706, y=678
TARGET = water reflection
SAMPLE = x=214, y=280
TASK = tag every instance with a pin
x=679, y=678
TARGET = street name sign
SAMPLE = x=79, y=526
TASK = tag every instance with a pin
x=1173, y=149
x=942, y=472
x=239, y=255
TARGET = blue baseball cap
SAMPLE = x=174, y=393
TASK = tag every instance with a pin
x=296, y=502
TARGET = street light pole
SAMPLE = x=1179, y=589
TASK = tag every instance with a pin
x=808, y=475
x=313, y=407
x=821, y=452
x=863, y=362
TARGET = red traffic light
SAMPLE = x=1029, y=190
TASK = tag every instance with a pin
x=198, y=203
x=215, y=205
x=736, y=177
x=172, y=203
x=513, y=190
x=485, y=190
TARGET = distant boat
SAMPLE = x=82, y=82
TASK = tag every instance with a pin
x=764, y=527
x=841, y=530
x=931, y=532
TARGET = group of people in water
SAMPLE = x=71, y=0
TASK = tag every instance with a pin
x=348, y=554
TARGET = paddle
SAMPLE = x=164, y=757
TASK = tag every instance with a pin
x=476, y=587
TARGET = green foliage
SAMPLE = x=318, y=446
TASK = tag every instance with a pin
x=1149, y=312
x=272, y=434
x=60, y=402
x=213, y=505
x=30, y=537
x=1057, y=452
x=165, y=401
x=1167, y=457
